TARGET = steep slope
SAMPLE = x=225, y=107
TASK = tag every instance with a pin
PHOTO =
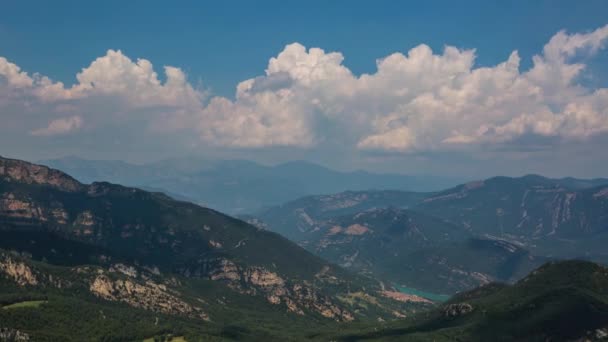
x=453, y=267
x=510, y=225
x=368, y=240
x=48, y=216
x=239, y=186
x=563, y=301
x=580, y=184
x=530, y=207
x=417, y=251
x=543, y=214
x=297, y=218
x=128, y=303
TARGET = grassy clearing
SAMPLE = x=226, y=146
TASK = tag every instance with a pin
x=26, y=304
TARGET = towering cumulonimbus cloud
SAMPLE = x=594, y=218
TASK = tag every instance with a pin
x=419, y=101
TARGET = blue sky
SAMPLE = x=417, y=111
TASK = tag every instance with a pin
x=512, y=93
x=224, y=42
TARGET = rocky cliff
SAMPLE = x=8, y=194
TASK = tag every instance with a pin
x=12, y=170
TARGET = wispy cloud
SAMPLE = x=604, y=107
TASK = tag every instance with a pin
x=60, y=126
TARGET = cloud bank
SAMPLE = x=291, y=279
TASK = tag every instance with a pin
x=60, y=126
x=419, y=101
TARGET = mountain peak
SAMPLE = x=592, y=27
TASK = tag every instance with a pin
x=13, y=170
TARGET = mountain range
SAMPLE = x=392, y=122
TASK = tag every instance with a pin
x=239, y=186
x=453, y=240
x=478, y=261
x=551, y=217
x=66, y=244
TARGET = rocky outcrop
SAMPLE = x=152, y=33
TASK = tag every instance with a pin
x=60, y=215
x=127, y=270
x=121, y=283
x=215, y=244
x=596, y=335
x=86, y=219
x=20, y=208
x=256, y=222
x=356, y=229
x=148, y=295
x=226, y=270
x=404, y=297
x=13, y=335
x=18, y=271
x=603, y=193
x=456, y=310
x=19, y=171
x=306, y=297
x=259, y=276
x=353, y=229
x=256, y=280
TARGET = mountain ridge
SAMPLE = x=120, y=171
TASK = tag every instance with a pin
x=105, y=224
x=240, y=186
x=539, y=219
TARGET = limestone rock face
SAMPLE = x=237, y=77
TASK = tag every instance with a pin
x=20, y=208
x=356, y=229
x=149, y=296
x=226, y=270
x=13, y=335
x=258, y=280
x=19, y=171
x=458, y=309
x=403, y=297
x=86, y=219
x=120, y=283
x=307, y=297
x=259, y=276
x=18, y=271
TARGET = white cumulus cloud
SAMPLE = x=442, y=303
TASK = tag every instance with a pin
x=416, y=101
x=422, y=100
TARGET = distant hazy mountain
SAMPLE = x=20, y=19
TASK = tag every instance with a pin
x=492, y=230
x=298, y=218
x=561, y=218
x=238, y=186
x=402, y=246
x=420, y=251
